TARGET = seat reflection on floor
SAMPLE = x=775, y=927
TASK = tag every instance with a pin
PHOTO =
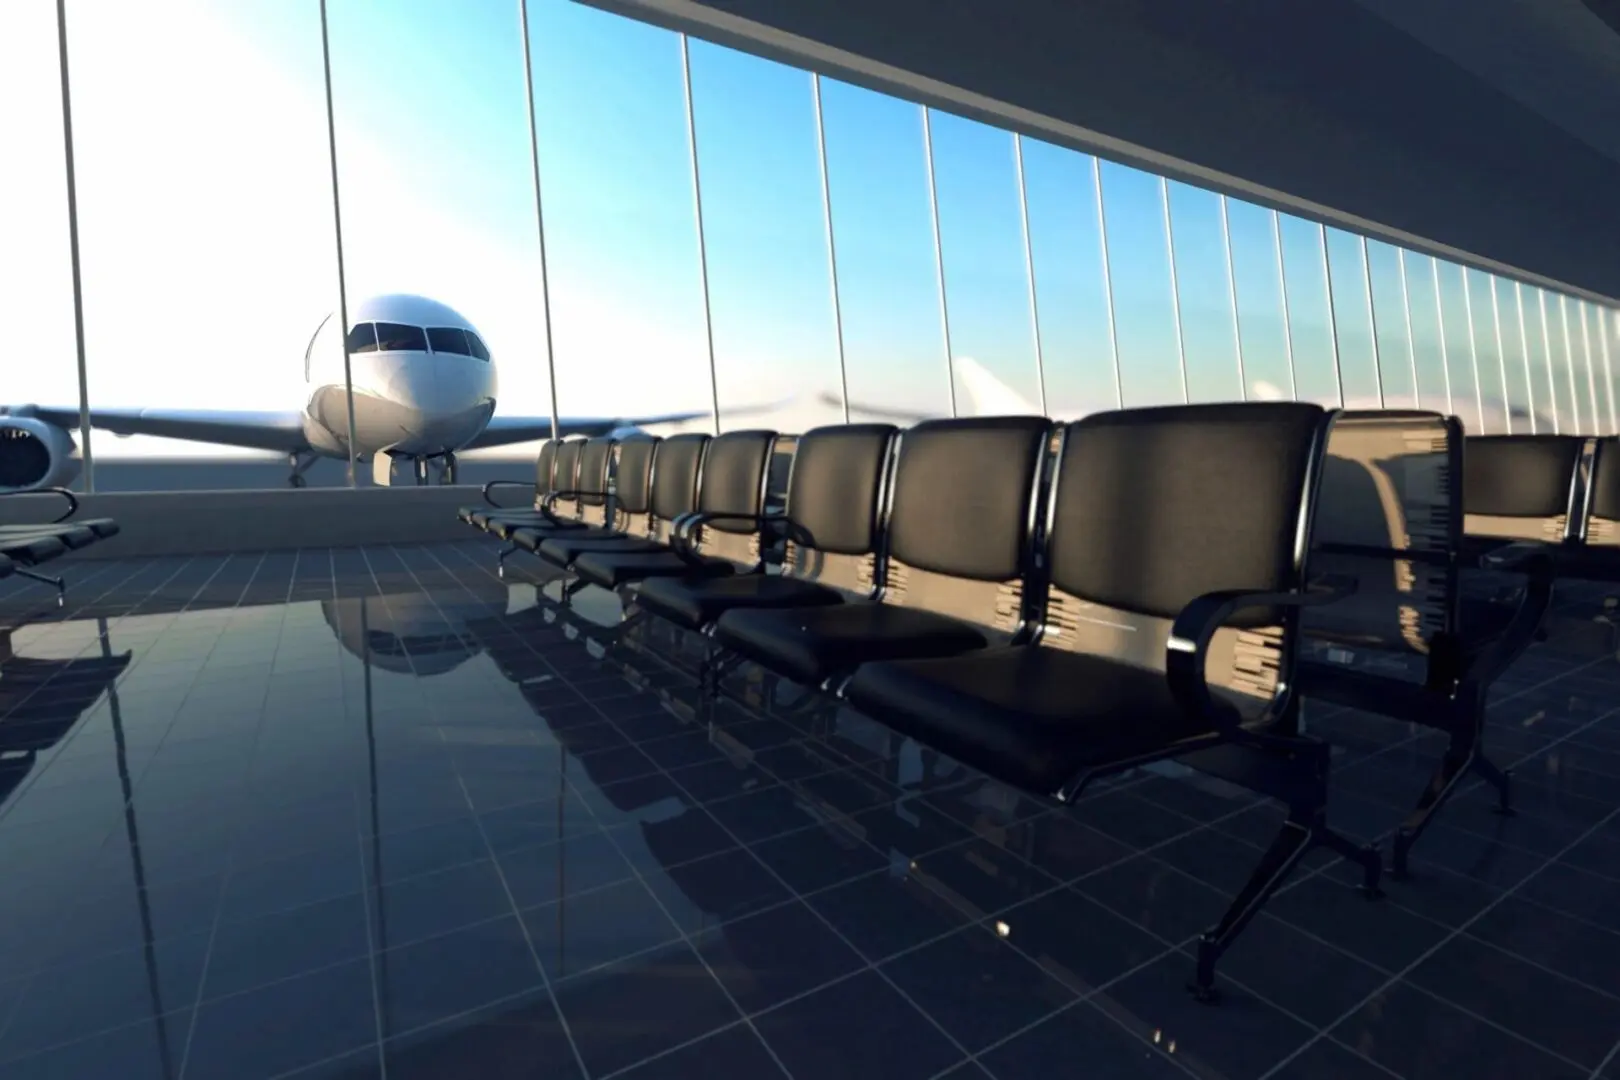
x=377, y=812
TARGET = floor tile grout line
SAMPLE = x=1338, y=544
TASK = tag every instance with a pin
x=687, y=938
x=515, y=911
x=1612, y=1056
x=865, y=766
x=1298, y=879
x=17, y=796
x=1401, y=975
x=371, y=918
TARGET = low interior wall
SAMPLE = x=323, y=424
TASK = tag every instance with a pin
x=198, y=522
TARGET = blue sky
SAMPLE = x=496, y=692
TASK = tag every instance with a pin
x=205, y=204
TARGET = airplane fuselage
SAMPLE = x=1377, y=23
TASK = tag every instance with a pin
x=424, y=383
x=409, y=404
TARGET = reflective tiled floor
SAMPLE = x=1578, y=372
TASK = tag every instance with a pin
x=377, y=813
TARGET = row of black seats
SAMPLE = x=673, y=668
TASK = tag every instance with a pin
x=25, y=548
x=1052, y=617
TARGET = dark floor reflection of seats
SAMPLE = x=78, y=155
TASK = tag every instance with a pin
x=373, y=812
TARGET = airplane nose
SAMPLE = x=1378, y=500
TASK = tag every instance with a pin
x=412, y=383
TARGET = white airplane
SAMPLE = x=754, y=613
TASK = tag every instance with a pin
x=425, y=389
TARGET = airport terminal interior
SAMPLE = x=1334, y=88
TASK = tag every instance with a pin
x=669, y=544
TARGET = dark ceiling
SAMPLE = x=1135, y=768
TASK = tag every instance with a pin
x=1323, y=100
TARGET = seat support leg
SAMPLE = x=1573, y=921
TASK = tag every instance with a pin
x=1305, y=828
x=501, y=557
x=1463, y=757
x=45, y=579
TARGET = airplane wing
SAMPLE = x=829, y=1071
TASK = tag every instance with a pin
x=506, y=430
x=877, y=413
x=280, y=431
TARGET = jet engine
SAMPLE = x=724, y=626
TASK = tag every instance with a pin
x=35, y=455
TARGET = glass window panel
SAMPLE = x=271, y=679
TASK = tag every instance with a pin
x=1456, y=326
x=1565, y=369
x=1352, y=321
x=448, y=339
x=1428, y=343
x=770, y=283
x=36, y=280
x=1588, y=349
x=396, y=337
x=1547, y=350
x=630, y=333
x=362, y=338
x=1527, y=309
x=1488, y=367
x=1608, y=322
x=1065, y=243
x=1522, y=407
x=1139, y=270
x=981, y=242
x=230, y=100
x=480, y=351
x=1204, y=287
x=1310, y=328
x=1392, y=324
x=1262, y=323
x=456, y=230
x=888, y=281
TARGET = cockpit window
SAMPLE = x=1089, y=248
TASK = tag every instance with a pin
x=448, y=339
x=363, y=338
x=396, y=337
x=479, y=349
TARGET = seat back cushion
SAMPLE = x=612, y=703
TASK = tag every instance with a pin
x=675, y=477
x=1153, y=508
x=1603, y=522
x=733, y=482
x=961, y=516
x=595, y=462
x=565, y=476
x=834, y=497
x=1518, y=486
x=632, y=484
x=1390, y=481
x=545, y=465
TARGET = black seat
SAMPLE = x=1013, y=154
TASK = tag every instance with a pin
x=545, y=465
x=1171, y=595
x=1519, y=488
x=6, y=566
x=625, y=522
x=717, y=532
x=957, y=547
x=814, y=644
x=659, y=485
x=27, y=546
x=1408, y=644
x=1033, y=717
x=577, y=496
x=1596, y=555
x=828, y=529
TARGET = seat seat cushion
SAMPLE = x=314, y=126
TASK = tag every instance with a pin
x=481, y=516
x=610, y=569
x=104, y=528
x=812, y=644
x=32, y=548
x=505, y=527
x=561, y=549
x=72, y=535
x=697, y=602
x=1029, y=716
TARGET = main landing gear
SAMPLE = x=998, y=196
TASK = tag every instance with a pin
x=299, y=463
